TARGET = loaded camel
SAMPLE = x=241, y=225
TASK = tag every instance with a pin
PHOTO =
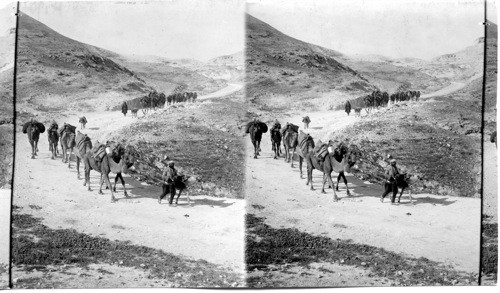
x=256, y=129
x=340, y=161
x=33, y=129
x=106, y=166
x=290, y=141
x=83, y=122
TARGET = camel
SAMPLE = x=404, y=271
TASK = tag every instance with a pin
x=256, y=129
x=67, y=144
x=83, y=145
x=124, y=108
x=83, y=122
x=290, y=142
x=134, y=113
x=53, y=140
x=276, y=141
x=33, y=129
x=357, y=112
x=328, y=165
x=304, y=148
x=306, y=121
x=106, y=166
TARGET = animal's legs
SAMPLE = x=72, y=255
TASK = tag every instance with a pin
x=100, y=184
x=77, y=167
x=329, y=176
x=113, y=199
x=301, y=160
x=69, y=157
x=293, y=153
x=341, y=174
x=123, y=184
x=309, y=177
x=324, y=182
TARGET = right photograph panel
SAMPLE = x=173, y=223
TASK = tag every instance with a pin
x=364, y=142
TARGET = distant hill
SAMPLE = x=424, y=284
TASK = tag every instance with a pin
x=58, y=72
x=281, y=65
x=491, y=66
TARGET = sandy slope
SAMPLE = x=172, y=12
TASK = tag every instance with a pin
x=440, y=228
x=209, y=229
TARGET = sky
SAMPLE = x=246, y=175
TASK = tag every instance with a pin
x=395, y=28
x=197, y=29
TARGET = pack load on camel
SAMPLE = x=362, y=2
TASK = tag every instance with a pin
x=38, y=125
x=304, y=139
x=293, y=127
x=68, y=128
x=98, y=151
x=80, y=140
x=256, y=121
x=115, y=149
x=320, y=150
x=53, y=127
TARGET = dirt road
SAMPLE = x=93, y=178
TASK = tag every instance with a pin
x=229, y=89
x=440, y=228
x=210, y=229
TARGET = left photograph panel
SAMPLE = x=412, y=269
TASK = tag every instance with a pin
x=7, y=44
x=129, y=161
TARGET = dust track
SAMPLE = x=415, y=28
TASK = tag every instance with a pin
x=440, y=228
x=210, y=229
x=231, y=88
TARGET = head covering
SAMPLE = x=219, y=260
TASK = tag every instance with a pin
x=165, y=158
x=393, y=162
x=276, y=121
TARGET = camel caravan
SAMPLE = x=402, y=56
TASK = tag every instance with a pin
x=378, y=99
x=155, y=100
x=104, y=158
x=327, y=157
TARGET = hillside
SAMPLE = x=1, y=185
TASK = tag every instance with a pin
x=491, y=66
x=277, y=64
x=58, y=71
x=7, y=39
x=166, y=74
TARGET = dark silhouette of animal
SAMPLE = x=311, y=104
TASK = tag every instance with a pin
x=134, y=112
x=106, y=166
x=33, y=128
x=289, y=135
x=357, y=112
x=306, y=120
x=83, y=122
x=256, y=129
x=401, y=183
x=493, y=137
x=124, y=108
x=83, y=145
x=53, y=140
x=306, y=144
x=341, y=162
x=348, y=108
x=67, y=137
x=179, y=185
x=276, y=141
